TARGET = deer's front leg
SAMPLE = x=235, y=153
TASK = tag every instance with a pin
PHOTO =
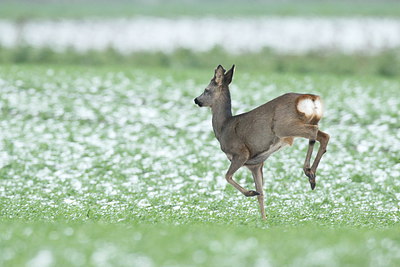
x=237, y=162
x=256, y=171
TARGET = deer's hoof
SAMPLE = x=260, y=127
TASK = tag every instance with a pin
x=312, y=185
x=252, y=193
x=311, y=177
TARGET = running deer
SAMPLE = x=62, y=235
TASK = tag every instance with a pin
x=250, y=138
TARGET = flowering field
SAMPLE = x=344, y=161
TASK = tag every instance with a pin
x=113, y=166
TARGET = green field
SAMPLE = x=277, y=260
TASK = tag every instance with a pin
x=116, y=166
x=25, y=9
x=194, y=245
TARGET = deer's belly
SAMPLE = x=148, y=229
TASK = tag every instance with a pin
x=261, y=157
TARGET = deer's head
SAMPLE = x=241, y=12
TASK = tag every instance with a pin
x=216, y=88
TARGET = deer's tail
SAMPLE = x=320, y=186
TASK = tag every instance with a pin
x=311, y=107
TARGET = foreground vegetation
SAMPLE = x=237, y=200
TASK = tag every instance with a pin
x=117, y=165
x=194, y=245
x=24, y=9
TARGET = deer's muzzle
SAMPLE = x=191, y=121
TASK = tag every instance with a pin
x=198, y=102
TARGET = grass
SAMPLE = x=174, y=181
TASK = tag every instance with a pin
x=49, y=9
x=386, y=63
x=149, y=245
x=112, y=165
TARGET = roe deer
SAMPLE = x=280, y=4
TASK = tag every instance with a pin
x=250, y=138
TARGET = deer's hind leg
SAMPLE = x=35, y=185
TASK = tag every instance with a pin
x=311, y=132
x=297, y=129
x=323, y=139
x=306, y=167
x=256, y=171
x=310, y=172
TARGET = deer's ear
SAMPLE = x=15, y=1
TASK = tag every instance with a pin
x=219, y=75
x=229, y=75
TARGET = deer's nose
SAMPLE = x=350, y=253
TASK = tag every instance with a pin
x=197, y=102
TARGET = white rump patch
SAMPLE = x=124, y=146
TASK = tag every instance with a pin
x=310, y=107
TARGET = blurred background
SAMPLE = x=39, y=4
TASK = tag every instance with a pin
x=341, y=37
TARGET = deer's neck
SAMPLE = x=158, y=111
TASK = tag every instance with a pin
x=221, y=112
